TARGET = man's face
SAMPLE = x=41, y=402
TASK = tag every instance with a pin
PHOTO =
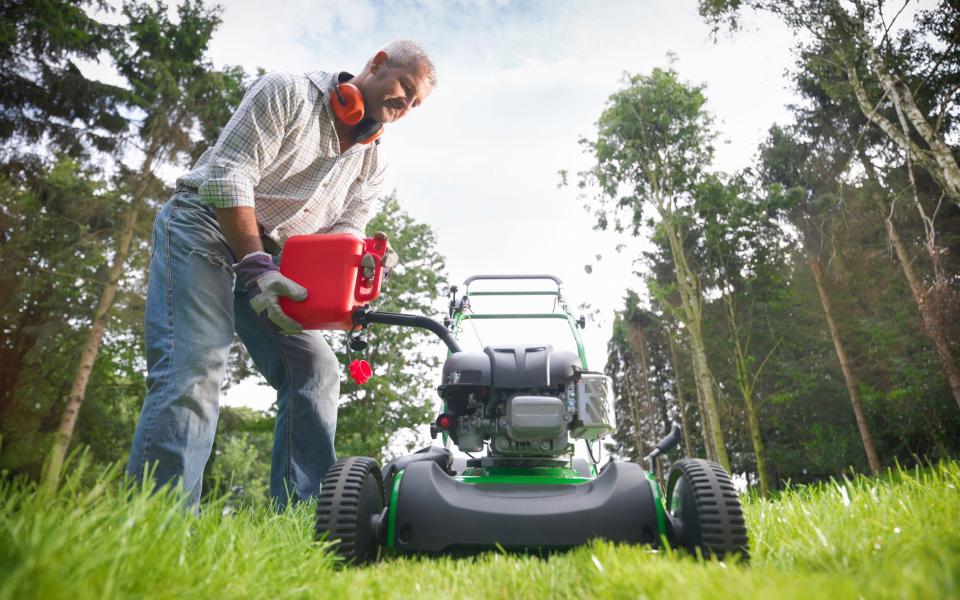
x=390, y=92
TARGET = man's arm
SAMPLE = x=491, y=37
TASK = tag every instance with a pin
x=239, y=226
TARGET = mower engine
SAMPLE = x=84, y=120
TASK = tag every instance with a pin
x=524, y=401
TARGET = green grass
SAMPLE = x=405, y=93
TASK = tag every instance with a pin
x=896, y=536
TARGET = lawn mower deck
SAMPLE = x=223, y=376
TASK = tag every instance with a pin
x=524, y=405
x=537, y=508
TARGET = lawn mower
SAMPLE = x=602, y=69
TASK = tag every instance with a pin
x=522, y=406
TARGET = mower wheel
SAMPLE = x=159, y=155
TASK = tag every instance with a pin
x=704, y=509
x=349, y=508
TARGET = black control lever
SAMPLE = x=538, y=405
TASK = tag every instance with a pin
x=363, y=316
x=665, y=445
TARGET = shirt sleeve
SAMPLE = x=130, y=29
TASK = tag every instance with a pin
x=362, y=198
x=250, y=141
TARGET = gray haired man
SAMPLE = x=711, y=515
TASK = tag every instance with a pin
x=285, y=164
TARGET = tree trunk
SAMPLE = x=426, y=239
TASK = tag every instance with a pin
x=639, y=344
x=91, y=347
x=708, y=446
x=848, y=378
x=690, y=303
x=709, y=398
x=937, y=159
x=932, y=322
x=634, y=405
x=746, y=382
x=918, y=154
x=758, y=449
x=687, y=442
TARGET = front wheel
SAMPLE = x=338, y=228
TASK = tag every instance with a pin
x=349, y=509
x=704, y=509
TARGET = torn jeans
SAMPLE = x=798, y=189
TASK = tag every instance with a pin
x=193, y=309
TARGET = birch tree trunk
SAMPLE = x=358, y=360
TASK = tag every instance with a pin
x=937, y=159
x=690, y=303
x=91, y=347
x=708, y=446
x=848, y=377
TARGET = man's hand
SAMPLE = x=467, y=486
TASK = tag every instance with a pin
x=265, y=285
x=390, y=259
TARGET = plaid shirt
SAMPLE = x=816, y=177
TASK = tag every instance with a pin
x=280, y=154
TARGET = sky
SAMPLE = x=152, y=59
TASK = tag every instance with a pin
x=519, y=83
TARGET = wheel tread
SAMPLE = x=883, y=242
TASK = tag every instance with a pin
x=722, y=524
x=340, y=504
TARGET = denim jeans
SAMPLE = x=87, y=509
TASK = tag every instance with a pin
x=193, y=308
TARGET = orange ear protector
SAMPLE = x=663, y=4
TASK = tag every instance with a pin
x=347, y=105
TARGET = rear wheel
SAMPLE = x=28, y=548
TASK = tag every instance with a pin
x=704, y=509
x=349, y=509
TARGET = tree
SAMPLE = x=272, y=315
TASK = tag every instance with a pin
x=789, y=166
x=742, y=249
x=833, y=119
x=654, y=142
x=860, y=39
x=44, y=97
x=47, y=107
x=639, y=365
x=169, y=81
x=57, y=220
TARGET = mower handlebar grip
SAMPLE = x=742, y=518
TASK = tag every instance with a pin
x=673, y=438
x=473, y=278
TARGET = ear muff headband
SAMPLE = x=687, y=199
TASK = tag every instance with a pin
x=368, y=131
x=347, y=105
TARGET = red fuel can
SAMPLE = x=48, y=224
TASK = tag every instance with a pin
x=340, y=272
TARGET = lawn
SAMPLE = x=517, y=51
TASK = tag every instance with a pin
x=893, y=536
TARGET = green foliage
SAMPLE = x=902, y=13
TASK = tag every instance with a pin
x=638, y=362
x=654, y=140
x=58, y=222
x=401, y=395
x=172, y=84
x=890, y=537
x=43, y=95
x=66, y=189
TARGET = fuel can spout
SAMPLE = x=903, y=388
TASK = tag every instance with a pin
x=364, y=315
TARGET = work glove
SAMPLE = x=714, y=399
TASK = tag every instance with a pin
x=265, y=285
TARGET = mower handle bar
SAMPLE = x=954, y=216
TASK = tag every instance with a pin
x=665, y=445
x=364, y=315
x=473, y=278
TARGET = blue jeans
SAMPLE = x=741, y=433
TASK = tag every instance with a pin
x=193, y=308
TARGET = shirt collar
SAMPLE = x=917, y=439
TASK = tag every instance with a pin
x=322, y=79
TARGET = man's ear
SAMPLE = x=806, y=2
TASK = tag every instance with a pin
x=378, y=60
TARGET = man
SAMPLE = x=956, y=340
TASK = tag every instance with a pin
x=286, y=164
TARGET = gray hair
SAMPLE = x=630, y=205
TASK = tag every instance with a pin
x=407, y=52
